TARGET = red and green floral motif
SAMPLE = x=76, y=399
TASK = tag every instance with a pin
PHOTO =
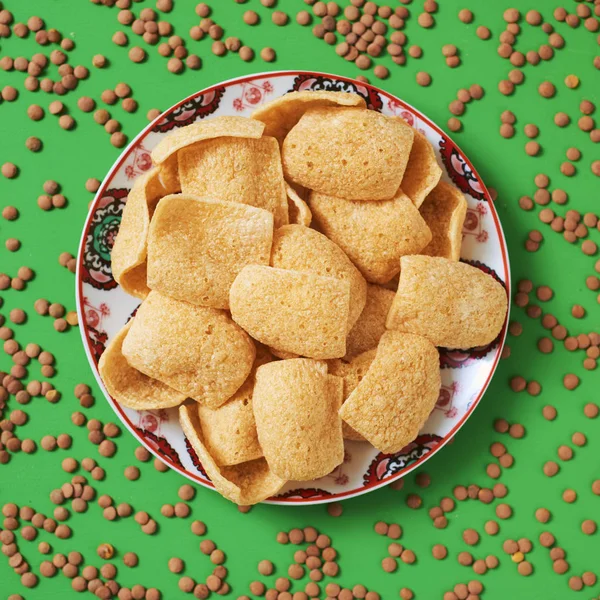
x=100, y=239
x=191, y=110
x=305, y=82
x=386, y=465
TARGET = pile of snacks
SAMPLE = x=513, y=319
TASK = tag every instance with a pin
x=264, y=250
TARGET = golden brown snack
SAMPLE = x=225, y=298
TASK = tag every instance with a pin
x=244, y=484
x=281, y=114
x=352, y=373
x=351, y=153
x=298, y=210
x=128, y=256
x=197, y=246
x=444, y=211
x=237, y=170
x=371, y=324
x=197, y=350
x=299, y=248
x=128, y=386
x=296, y=407
x=290, y=311
x=374, y=235
x=168, y=172
x=422, y=171
x=216, y=127
x=229, y=431
x=394, y=398
x=450, y=303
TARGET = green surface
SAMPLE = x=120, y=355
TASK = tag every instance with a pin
x=71, y=157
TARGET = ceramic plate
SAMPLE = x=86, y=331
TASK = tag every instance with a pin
x=104, y=308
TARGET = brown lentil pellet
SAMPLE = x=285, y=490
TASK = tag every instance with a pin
x=570, y=381
x=423, y=78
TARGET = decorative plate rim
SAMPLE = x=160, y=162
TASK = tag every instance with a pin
x=83, y=328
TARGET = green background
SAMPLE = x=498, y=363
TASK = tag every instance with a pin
x=70, y=157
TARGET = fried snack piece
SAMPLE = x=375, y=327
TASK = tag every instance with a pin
x=216, y=127
x=444, y=211
x=450, y=303
x=371, y=324
x=290, y=311
x=281, y=114
x=298, y=210
x=244, y=484
x=197, y=246
x=351, y=153
x=197, y=350
x=229, y=432
x=352, y=373
x=168, y=172
x=374, y=235
x=128, y=386
x=394, y=398
x=299, y=248
x=128, y=256
x=422, y=171
x=296, y=407
x=237, y=170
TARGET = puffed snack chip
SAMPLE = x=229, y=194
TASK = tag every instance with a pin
x=128, y=255
x=244, y=484
x=217, y=127
x=453, y=304
x=130, y=387
x=298, y=211
x=229, y=431
x=351, y=153
x=197, y=246
x=292, y=311
x=296, y=407
x=422, y=171
x=395, y=396
x=370, y=326
x=352, y=373
x=299, y=248
x=237, y=170
x=281, y=114
x=197, y=350
x=374, y=235
x=444, y=211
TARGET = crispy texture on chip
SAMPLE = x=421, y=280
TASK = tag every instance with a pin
x=281, y=114
x=229, y=432
x=374, y=235
x=352, y=373
x=302, y=313
x=128, y=386
x=371, y=324
x=296, y=407
x=444, y=211
x=197, y=350
x=299, y=248
x=217, y=127
x=237, y=170
x=244, y=484
x=453, y=304
x=197, y=246
x=422, y=171
x=128, y=256
x=394, y=398
x=351, y=153
x=298, y=210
